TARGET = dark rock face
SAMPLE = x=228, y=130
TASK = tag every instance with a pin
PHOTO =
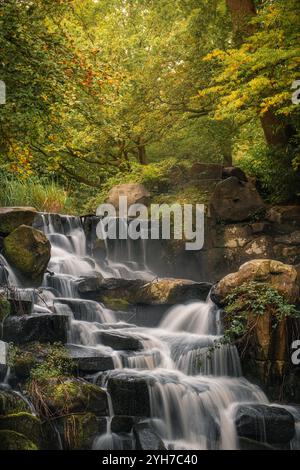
x=129, y=393
x=42, y=327
x=29, y=251
x=90, y=359
x=13, y=217
x=235, y=201
x=230, y=171
x=270, y=424
x=147, y=438
x=119, y=341
x=90, y=284
x=122, y=424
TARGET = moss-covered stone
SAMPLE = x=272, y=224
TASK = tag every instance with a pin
x=29, y=251
x=78, y=431
x=60, y=396
x=22, y=423
x=11, y=403
x=4, y=308
x=13, y=217
x=11, y=440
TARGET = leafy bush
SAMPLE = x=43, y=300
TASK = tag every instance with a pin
x=246, y=303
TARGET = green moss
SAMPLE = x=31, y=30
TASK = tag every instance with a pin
x=11, y=403
x=79, y=431
x=115, y=304
x=12, y=219
x=5, y=308
x=11, y=440
x=23, y=423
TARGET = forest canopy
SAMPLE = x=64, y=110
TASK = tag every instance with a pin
x=100, y=92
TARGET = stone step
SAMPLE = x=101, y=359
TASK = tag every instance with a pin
x=89, y=360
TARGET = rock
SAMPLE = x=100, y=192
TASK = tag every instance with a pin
x=171, y=292
x=77, y=431
x=260, y=247
x=259, y=227
x=289, y=215
x=90, y=283
x=3, y=360
x=90, y=359
x=289, y=239
x=206, y=171
x=120, y=341
x=11, y=440
x=270, y=424
x=281, y=277
x=23, y=423
x=69, y=395
x=229, y=171
x=29, y=251
x=250, y=444
x=11, y=403
x=235, y=201
x=135, y=193
x=43, y=327
x=147, y=438
x=129, y=393
x=122, y=424
x=111, y=288
x=13, y=217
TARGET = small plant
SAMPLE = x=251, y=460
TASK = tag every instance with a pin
x=246, y=303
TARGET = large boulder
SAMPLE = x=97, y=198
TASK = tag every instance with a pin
x=29, y=251
x=23, y=423
x=270, y=424
x=229, y=171
x=280, y=276
x=147, y=438
x=136, y=194
x=235, y=201
x=43, y=327
x=13, y=217
x=129, y=393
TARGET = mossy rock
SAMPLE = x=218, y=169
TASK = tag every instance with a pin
x=78, y=431
x=28, y=250
x=69, y=395
x=5, y=308
x=11, y=403
x=116, y=304
x=23, y=423
x=11, y=440
x=13, y=217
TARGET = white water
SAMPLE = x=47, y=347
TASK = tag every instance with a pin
x=195, y=387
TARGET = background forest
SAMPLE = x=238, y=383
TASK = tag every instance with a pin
x=101, y=92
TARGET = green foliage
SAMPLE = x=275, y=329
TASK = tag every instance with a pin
x=56, y=364
x=248, y=302
x=43, y=194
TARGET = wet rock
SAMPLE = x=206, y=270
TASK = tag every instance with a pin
x=77, y=431
x=43, y=327
x=11, y=403
x=23, y=423
x=3, y=360
x=147, y=438
x=229, y=171
x=281, y=277
x=90, y=283
x=90, y=359
x=172, y=291
x=129, y=393
x=136, y=194
x=28, y=250
x=115, y=289
x=11, y=440
x=122, y=424
x=120, y=341
x=250, y=444
x=69, y=395
x=270, y=424
x=13, y=217
x=235, y=201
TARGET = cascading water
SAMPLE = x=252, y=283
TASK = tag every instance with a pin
x=194, y=381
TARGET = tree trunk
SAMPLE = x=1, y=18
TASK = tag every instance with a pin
x=142, y=154
x=276, y=133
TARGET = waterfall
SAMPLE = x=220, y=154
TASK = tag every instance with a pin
x=195, y=382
